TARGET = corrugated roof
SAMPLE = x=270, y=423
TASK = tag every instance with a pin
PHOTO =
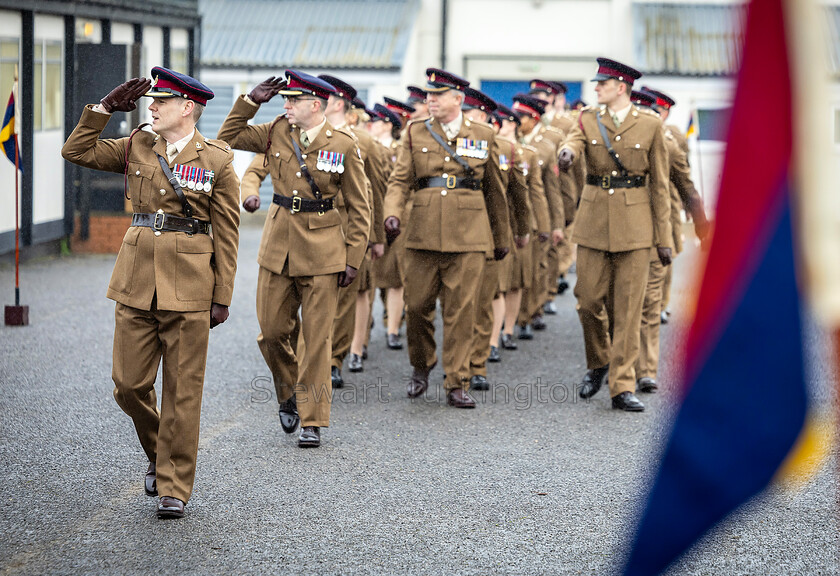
x=688, y=39
x=832, y=20
x=306, y=34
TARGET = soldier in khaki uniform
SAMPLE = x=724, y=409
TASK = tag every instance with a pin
x=172, y=281
x=683, y=193
x=519, y=264
x=417, y=100
x=624, y=212
x=458, y=203
x=353, y=313
x=489, y=302
x=305, y=254
x=571, y=183
x=545, y=140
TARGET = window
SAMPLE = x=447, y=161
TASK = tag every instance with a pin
x=837, y=126
x=178, y=60
x=49, y=92
x=9, y=60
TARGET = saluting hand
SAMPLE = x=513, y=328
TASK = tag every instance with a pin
x=346, y=278
x=251, y=203
x=392, y=228
x=218, y=314
x=664, y=255
x=267, y=89
x=565, y=159
x=124, y=97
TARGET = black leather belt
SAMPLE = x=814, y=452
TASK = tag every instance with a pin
x=448, y=182
x=298, y=204
x=168, y=223
x=606, y=182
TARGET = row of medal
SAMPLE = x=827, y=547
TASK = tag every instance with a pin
x=330, y=162
x=504, y=162
x=194, y=178
x=472, y=148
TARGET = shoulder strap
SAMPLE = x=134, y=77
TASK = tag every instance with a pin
x=127, y=150
x=304, y=170
x=187, y=207
x=449, y=150
x=608, y=144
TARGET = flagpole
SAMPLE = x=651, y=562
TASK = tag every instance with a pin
x=16, y=315
x=17, y=222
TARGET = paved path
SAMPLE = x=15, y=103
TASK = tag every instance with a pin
x=534, y=481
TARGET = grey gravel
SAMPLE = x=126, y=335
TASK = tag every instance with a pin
x=534, y=481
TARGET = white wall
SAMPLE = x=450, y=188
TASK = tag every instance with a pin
x=152, y=56
x=48, y=177
x=10, y=26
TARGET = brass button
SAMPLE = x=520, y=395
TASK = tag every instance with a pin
x=297, y=174
x=638, y=145
x=444, y=175
x=443, y=192
x=162, y=192
x=446, y=159
x=614, y=173
x=612, y=192
x=157, y=232
x=594, y=141
x=617, y=138
x=137, y=173
x=294, y=192
x=277, y=154
x=425, y=150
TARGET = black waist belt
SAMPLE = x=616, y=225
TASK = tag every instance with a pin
x=298, y=204
x=168, y=223
x=448, y=182
x=616, y=181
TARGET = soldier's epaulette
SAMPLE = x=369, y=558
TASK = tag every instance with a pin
x=668, y=134
x=347, y=134
x=220, y=144
x=551, y=128
x=479, y=125
x=529, y=147
x=346, y=129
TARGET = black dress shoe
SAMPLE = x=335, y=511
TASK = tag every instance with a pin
x=169, y=507
x=479, y=382
x=419, y=382
x=335, y=376
x=525, y=332
x=593, y=381
x=364, y=352
x=628, y=402
x=150, y=483
x=289, y=418
x=537, y=323
x=458, y=398
x=310, y=437
x=550, y=307
x=494, y=355
x=394, y=342
x=647, y=385
x=354, y=364
x=663, y=317
x=508, y=343
x=562, y=285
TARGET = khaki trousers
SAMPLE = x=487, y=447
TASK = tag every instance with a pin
x=344, y=323
x=614, y=282
x=169, y=436
x=566, y=251
x=307, y=376
x=666, y=287
x=453, y=277
x=648, y=363
x=534, y=296
x=488, y=289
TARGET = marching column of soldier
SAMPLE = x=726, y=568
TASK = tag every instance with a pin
x=447, y=197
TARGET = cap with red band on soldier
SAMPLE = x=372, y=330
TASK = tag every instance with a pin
x=342, y=88
x=415, y=94
x=662, y=99
x=612, y=69
x=441, y=81
x=401, y=108
x=167, y=83
x=525, y=104
x=479, y=100
x=386, y=115
x=300, y=83
x=641, y=98
x=547, y=86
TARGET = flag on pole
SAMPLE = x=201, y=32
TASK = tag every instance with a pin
x=692, y=129
x=745, y=404
x=8, y=133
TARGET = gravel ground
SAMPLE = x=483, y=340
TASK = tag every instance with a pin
x=534, y=481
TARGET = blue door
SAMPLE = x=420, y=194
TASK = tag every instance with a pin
x=502, y=91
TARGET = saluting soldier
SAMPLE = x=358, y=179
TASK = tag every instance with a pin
x=683, y=193
x=353, y=315
x=533, y=133
x=306, y=254
x=458, y=203
x=172, y=281
x=489, y=303
x=624, y=212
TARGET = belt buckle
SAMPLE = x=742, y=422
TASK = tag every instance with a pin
x=606, y=182
x=157, y=223
x=297, y=203
x=450, y=182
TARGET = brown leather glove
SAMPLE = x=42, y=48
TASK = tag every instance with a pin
x=124, y=97
x=565, y=159
x=392, y=228
x=346, y=278
x=664, y=255
x=267, y=89
x=543, y=236
x=252, y=203
x=218, y=314
x=500, y=253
